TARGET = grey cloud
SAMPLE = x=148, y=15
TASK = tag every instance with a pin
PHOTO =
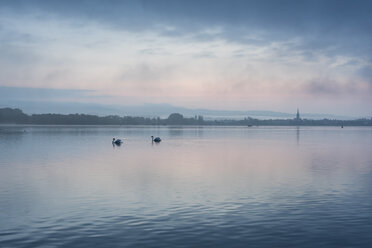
x=329, y=87
x=205, y=54
x=322, y=24
x=33, y=94
x=16, y=55
x=145, y=76
x=366, y=73
x=141, y=72
x=328, y=27
x=153, y=51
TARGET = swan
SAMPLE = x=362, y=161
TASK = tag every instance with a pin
x=156, y=140
x=116, y=141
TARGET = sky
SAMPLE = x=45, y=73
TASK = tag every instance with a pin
x=228, y=55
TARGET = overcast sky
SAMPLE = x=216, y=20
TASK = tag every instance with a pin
x=242, y=55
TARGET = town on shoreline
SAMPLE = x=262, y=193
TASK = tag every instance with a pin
x=16, y=116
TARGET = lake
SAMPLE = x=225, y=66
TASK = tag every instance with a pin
x=68, y=186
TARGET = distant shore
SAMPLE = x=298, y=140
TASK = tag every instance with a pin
x=16, y=116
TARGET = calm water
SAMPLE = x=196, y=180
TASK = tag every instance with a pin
x=200, y=187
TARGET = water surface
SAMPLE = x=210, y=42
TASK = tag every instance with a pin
x=68, y=186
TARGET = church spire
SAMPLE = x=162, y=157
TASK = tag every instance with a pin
x=298, y=115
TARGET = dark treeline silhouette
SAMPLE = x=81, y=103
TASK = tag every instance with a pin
x=16, y=116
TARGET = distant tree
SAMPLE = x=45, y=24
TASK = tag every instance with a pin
x=175, y=119
x=13, y=116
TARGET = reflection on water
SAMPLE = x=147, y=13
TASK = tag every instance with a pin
x=201, y=186
x=175, y=131
x=298, y=135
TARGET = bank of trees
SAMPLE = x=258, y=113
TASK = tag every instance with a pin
x=16, y=116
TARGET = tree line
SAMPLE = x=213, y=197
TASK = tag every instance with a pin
x=16, y=116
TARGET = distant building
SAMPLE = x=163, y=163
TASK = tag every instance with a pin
x=298, y=116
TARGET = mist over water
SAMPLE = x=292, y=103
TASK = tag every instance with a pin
x=68, y=186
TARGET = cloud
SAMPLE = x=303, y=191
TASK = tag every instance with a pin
x=279, y=18
x=41, y=94
x=181, y=50
x=146, y=77
x=324, y=88
x=329, y=26
x=332, y=88
x=366, y=73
